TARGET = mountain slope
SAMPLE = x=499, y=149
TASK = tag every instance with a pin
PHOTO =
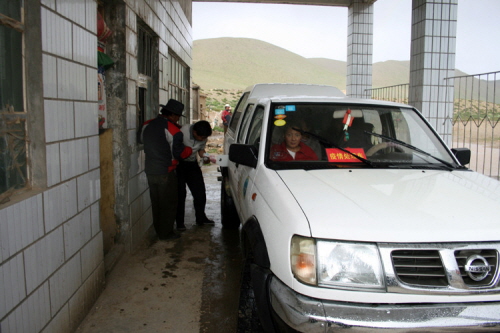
x=236, y=63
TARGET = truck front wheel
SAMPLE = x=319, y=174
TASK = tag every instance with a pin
x=229, y=215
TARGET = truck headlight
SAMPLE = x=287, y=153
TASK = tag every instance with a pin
x=336, y=264
x=349, y=265
x=303, y=259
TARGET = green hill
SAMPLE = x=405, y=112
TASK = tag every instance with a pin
x=229, y=65
x=236, y=63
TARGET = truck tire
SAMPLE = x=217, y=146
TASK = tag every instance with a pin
x=229, y=215
x=248, y=319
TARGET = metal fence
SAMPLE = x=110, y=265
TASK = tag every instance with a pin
x=398, y=93
x=476, y=117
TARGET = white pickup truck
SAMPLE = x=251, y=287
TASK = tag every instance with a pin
x=355, y=216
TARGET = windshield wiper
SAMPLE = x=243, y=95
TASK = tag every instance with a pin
x=407, y=145
x=330, y=144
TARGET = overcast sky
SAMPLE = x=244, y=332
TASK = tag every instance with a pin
x=321, y=31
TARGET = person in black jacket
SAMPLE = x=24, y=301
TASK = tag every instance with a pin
x=164, y=147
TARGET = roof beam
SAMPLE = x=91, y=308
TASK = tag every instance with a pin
x=335, y=3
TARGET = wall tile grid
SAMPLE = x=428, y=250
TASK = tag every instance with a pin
x=360, y=41
x=20, y=226
x=175, y=35
x=131, y=37
x=74, y=158
x=35, y=308
x=89, y=189
x=43, y=258
x=136, y=209
x=137, y=185
x=49, y=3
x=91, y=84
x=140, y=228
x=86, y=295
x=433, y=60
x=64, y=283
x=93, y=153
x=59, y=120
x=49, y=76
x=131, y=118
x=132, y=72
x=51, y=243
x=131, y=19
x=60, y=323
x=53, y=164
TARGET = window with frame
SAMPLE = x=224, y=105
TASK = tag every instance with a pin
x=255, y=130
x=147, y=67
x=178, y=83
x=239, y=111
x=13, y=152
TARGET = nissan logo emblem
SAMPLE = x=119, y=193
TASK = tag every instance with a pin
x=477, y=267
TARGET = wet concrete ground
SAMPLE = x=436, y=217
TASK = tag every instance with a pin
x=191, y=284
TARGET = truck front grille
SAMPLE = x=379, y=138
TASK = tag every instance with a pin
x=470, y=278
x=444, y=268
x=419, y=267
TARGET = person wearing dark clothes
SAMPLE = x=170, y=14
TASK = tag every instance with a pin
x=164, y=147
x=189, y=173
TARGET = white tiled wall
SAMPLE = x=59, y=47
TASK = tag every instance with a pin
x=53, y=164
x=49, y=76
x=74, y=158
x=433, y=59
x=51, y=248
x=59, y=120
x=360, y=45
x=60, y=204
x=20, y=226
x=71, y=79
x=64, y=283
x=43, y=258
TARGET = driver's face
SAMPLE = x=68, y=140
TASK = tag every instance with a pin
x=292, y=138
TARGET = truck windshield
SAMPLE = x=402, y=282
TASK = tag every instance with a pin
x=319, y=135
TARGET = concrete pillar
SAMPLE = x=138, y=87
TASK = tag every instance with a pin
x=359, y=49
x=433, y=43
x=117, y=100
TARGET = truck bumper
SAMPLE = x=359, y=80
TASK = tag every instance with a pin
x=305, y=314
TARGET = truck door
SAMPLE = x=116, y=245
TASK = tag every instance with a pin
x=245, y=175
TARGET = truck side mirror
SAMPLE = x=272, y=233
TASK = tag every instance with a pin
x=462, y=155
x=243, y=154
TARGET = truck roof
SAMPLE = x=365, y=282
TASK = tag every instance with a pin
x=292, y=89
x=328, y=99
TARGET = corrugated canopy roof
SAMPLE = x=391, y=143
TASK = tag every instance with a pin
x=338, y=3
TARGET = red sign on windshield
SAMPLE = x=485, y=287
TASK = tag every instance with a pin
x=337, y=155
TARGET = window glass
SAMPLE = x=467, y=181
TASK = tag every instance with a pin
x=178, y=84
x=255, y=130
x=244, y=123
x=326, y=135
x=147, y=65
x=11, y=8
x=13, y=159
x=238, y=112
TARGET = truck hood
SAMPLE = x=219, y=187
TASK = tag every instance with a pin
x=397, y=205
